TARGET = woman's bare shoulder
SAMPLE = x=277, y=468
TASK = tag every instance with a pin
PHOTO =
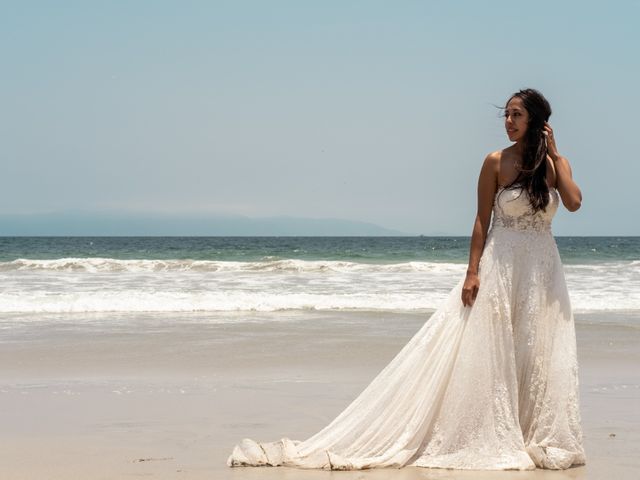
x=489, y=173
x=492, y=161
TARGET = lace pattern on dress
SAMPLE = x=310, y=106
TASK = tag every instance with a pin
x=531, y=222
x=511, y=210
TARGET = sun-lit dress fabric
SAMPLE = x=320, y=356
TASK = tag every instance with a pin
x=488, y=387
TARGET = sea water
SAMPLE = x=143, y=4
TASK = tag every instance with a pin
x=159, y=275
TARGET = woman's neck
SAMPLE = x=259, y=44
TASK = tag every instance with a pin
x=518, y=148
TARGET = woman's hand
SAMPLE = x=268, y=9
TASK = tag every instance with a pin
x=552, y=149
x=470, y=289
x=569, y=191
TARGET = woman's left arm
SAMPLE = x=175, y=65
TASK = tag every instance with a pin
x=569, y=190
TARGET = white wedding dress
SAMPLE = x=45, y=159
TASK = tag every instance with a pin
x=493, y=386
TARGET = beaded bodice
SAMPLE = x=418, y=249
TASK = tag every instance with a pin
x=512, y=210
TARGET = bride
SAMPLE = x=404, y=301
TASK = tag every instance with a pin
x=490, y=381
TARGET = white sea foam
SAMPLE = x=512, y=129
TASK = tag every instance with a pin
x=97, y=264
x=112, y=285
x=213, y=301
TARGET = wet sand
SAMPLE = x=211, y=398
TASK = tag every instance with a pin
x=167, y=397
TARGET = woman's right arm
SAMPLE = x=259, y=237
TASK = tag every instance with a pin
x=487, y=187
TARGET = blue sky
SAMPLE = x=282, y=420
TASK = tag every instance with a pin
x=364, y=110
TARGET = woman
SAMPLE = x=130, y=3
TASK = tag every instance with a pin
x=489, y=382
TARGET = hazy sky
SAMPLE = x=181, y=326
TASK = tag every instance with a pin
x=364, y=110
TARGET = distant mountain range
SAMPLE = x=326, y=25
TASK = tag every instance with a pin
x=119, y=224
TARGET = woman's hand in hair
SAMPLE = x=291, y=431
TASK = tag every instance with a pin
x=552, y=149
x=569, y=191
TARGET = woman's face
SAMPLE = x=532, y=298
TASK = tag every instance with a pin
x=516, y=119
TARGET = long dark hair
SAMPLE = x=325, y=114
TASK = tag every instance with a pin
x=532, y=175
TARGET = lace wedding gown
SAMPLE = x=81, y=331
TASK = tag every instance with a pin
x=493, y=386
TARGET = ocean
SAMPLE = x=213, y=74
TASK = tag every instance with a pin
x=213, y=275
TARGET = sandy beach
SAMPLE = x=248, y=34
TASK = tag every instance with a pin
x=169, y=396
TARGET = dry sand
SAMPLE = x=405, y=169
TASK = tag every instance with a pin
x=132, y=397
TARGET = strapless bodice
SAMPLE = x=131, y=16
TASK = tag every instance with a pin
x=512, y=210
